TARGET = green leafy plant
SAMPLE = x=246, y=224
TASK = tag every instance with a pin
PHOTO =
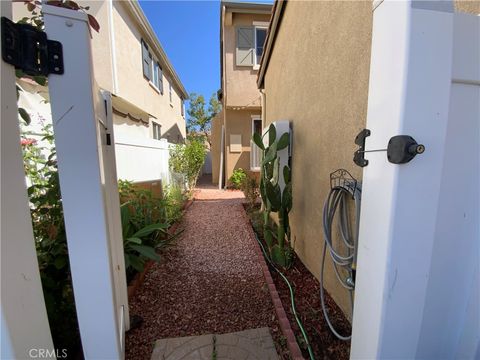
x=187, y=160
x=275, y=199
x=250, y=189
x=135, y=250
x=238, y=176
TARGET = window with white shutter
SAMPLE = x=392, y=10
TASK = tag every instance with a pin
x=245, y=51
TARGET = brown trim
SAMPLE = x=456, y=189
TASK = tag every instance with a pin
x=275, y=20
x=130, y=116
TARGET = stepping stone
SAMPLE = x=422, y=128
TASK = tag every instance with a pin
x=243, y=345
x=184, y=348
x=248, y=344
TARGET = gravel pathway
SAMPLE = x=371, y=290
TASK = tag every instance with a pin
x=210, y=282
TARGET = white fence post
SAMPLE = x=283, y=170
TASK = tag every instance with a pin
x=419, y=229
x=24, y=328
x=77, y=107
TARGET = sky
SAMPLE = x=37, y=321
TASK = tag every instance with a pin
x=189, y=34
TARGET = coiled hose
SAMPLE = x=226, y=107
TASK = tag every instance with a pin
x=337, y=199
x=292, y=298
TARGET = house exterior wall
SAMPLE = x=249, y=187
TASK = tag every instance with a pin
x=131, y=84
x=327, y=109
x=239, y=122
x=241, y=97
x=329, y=71
x=240, y=81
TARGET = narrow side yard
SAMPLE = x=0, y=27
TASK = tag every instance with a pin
x=209, y=282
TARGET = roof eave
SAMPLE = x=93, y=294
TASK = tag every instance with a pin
x=277, y=13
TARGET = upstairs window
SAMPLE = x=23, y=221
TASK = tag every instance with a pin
x=182, y=106
x=146, y=61
x=250, y=43
x=157, y=130
x=151, y=68
x=170, y=92
x=158, y=76
x=260, y=36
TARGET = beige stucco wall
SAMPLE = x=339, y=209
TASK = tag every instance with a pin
x=132, y=86
x=240, y=81
x=238, y=122
x=329, y=72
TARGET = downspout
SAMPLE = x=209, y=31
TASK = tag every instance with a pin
x=224, y=96
x=113, y=47
x=263, y=103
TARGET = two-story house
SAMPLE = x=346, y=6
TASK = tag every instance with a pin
x=243, y=29
x=147, y=94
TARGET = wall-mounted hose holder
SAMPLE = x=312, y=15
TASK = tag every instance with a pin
x=401, y=149
x=342, y=178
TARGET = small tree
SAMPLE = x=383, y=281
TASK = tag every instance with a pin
x=188, y=160
x=200, y=116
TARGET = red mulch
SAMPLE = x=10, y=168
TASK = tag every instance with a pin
x=209, y=282
x=307, y=302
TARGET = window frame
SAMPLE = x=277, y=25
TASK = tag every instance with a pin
x=256, y=26
x=170, y=92
x=252, y=144
x=154, y=65
x=154, y=133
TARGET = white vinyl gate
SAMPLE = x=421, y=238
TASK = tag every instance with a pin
x=417, y=288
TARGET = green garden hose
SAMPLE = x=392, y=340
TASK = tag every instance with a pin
x=292, y=299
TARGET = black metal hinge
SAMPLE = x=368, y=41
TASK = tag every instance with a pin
x=29, y=50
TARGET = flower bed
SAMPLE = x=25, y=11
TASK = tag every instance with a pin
x=139, y=278
x=307, y=301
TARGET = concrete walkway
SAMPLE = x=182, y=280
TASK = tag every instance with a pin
x=209, y=283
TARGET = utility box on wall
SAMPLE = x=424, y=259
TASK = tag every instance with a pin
x=281, y=127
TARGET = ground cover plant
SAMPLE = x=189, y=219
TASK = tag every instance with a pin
x=236, y=180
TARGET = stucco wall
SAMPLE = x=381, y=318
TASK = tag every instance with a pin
x=328, y=71
x=241, y=88
x=131, y=83
x=238, y=122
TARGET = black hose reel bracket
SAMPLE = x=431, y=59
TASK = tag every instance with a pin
x=401, y=149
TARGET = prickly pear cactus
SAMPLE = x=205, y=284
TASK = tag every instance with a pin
x=274, y=199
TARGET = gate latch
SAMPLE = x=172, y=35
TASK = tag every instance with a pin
x=29, y=50
x=400, y=150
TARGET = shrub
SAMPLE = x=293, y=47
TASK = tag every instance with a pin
x=145, y=219
x=238, y=176
x=188, y=160
x=251, y=190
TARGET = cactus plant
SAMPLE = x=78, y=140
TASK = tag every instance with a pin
x=275, y=200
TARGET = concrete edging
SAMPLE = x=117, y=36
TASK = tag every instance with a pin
x=285, y=326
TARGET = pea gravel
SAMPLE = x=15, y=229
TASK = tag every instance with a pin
x=209, y=282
